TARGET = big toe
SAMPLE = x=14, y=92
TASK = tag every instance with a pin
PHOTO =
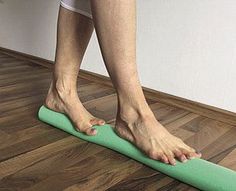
x=191, y=153
x=86, y=128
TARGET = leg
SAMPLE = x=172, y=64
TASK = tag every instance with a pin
x=73, y=34
x=115, y=25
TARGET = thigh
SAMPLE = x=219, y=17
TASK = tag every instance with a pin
x=79, y=6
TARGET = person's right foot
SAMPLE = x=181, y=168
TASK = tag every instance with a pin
x=67, y=102
x=140, y=127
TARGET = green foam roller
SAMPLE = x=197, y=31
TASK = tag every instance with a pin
x=199, y=173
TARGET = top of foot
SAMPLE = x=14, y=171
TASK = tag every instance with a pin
x=152, y=138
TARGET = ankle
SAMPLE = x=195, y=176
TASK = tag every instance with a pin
x=60, y=97
x=63, y=88
x=130, y=112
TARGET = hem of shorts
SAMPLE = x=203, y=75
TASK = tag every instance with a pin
x=76, y=10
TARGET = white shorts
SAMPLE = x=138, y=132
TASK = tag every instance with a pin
x=79, y=6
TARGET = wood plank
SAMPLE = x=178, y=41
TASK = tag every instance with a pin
x=229, y=161
x=93, y=91
x=3, y=55
x=22, y=79
x=208, y=131
x=24, y=90
x=52, y=159
x=7, y=59
x=18, y=69
x=14, y=138
x=27, y=159
x=11, y=107
x=24, y=73
x=166, y=114
x=85, y=172
x=27, y=89
x=20, y=120
x=222, y=146
x=31, y=144
x=8, y=64
x=27, y=57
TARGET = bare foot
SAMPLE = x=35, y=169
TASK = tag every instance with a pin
x=67, y=102
x=140, y=127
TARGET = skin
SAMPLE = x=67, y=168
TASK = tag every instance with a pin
x=115, y=26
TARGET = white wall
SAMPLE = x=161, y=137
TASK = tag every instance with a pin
x=185, y=48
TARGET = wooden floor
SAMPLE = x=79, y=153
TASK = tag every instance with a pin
x=36, y=156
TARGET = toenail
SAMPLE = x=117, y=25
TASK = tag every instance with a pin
x=94, y=130
x=173, y=163
x=198, y=152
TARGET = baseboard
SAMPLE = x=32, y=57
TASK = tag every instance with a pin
x=192, y=106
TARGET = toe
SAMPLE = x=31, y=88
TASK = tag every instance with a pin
x=96, y=121
x=101, y=122
x=188, y=151
x=161, y=157
x=180, y=156
x=153, y=155
x=191, y=153
x=195, y=154
x=90, y=131
x=171, y=158
x=199, y=154
x=164, y=159
x=183, y=158
x=158, y=156
x=87, y=129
